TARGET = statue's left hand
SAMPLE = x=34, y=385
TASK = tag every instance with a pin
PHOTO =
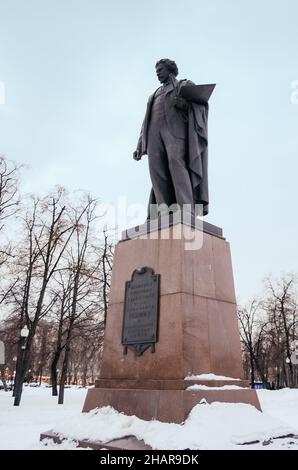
x=180, y=103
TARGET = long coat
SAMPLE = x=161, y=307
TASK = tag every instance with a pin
x=197, y=157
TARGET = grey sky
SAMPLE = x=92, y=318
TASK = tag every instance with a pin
x=78, y=73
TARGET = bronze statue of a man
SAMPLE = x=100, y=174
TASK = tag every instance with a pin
x=174, y=136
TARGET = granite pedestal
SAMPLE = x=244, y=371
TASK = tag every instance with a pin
x=198, y=328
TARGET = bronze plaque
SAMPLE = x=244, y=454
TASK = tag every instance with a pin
x=141, y=311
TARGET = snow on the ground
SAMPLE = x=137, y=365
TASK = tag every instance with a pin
x=21, y=426
x=282, y=404
x=209, y=426
x=214, y=426
x=209, y=377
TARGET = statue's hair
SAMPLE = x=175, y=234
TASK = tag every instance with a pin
x=170, y=64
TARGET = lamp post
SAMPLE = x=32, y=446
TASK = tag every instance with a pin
x=19, y=366
x=289, y=373
x=24, y=336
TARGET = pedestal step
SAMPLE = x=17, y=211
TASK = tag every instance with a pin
x=125, y=443
x=172, y=406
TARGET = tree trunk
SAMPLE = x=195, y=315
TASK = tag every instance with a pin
x=63, y=377
x=291, y=375
x=22, y=365
x=285, y=381
x=252, y=371
x=54, y=373
x=40, y=375
x=278, y=379
x=19, y=380
x=84, y=378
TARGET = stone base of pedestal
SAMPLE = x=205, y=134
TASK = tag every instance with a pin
x=171, y=406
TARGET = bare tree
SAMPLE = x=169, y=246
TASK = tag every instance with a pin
x=62, y=288
x=9, y=205
x=106, y=256
x=9, y=196
x=268, y=332
x=82, y=350
x=281, y=307
x=48, y=230
x=252, y=331
x=85, y=301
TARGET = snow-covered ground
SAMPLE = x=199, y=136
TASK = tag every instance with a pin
x=20, y=426
x=214, y=426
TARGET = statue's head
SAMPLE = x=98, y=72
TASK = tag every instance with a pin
x=165, y=67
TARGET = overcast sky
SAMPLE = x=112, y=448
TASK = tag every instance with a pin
x=77, y=76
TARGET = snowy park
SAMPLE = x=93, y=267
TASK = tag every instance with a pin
x=148, y=289
x=209, y=426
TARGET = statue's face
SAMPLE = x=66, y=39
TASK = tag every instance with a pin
x=162, y=73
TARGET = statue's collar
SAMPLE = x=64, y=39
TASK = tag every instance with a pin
x=169, y=85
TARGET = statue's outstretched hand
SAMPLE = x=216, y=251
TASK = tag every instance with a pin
x=137, y=155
